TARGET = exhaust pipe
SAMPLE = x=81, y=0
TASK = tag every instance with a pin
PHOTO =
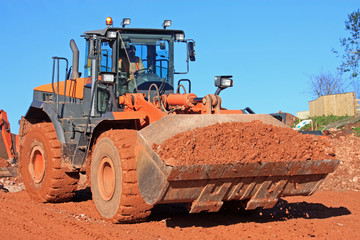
x=75, y=67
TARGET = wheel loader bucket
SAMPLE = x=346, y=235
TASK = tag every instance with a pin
x=206, y=187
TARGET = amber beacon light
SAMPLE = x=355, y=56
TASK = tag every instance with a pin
x=109, y=21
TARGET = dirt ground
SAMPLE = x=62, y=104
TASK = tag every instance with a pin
x=325, y=215
x=331, y=213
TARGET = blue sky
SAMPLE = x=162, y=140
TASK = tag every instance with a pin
x=270, y=47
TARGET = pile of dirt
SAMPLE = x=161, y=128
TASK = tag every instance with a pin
x=290, y=119
x=347, y=174
x=242, y=142
x=345, y=130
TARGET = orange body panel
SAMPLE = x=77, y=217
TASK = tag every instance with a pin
x=136, y=107
x=129, y=115
x=74, y=88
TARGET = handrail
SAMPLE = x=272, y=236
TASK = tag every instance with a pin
x=57, y=61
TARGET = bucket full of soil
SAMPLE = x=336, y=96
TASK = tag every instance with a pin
x=204, y=160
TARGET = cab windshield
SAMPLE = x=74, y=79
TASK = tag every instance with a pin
x=144, y=61
x=140, y=62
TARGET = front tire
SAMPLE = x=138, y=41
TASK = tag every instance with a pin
x=114, y=183
x=40, y=164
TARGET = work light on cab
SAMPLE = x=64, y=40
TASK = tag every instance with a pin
x=167, y=23
x=126, y=21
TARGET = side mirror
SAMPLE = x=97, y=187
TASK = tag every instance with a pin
x=191, y=51
x=91, y=49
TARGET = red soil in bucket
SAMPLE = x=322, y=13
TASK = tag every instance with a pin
x=242, y=142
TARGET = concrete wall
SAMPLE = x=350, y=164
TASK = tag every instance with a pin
x=303, y=115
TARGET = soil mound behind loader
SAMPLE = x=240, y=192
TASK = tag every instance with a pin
x=251, y=174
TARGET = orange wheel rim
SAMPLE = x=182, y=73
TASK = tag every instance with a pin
x=106, y=178
x=37, y=164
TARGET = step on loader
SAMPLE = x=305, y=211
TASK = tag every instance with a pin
x=105, y=123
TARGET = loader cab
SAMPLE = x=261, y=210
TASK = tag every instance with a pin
x=144, y=60
x=138, y=59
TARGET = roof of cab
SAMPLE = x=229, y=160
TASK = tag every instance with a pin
x=134, y=30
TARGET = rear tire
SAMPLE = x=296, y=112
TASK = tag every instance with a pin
x=40, y=164
x=114, y=183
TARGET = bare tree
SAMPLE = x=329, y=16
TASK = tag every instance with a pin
x=326, y=84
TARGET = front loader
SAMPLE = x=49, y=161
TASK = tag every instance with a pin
x=105, y=123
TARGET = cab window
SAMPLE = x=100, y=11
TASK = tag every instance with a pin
x=106, y=57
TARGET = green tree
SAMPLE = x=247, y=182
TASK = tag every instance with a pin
x=351, y=45
x=351, y=50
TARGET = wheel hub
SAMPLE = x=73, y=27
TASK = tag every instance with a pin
x=37, y=164
x=106, y=178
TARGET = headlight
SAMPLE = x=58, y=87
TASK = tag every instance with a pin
x=223, y=81
x=111, y=34
x=226, y=82
x=179, y=37
x=107, y=77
